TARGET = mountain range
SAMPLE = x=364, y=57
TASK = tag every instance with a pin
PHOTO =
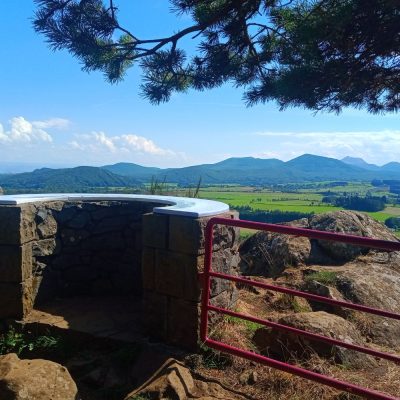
x=243, y=171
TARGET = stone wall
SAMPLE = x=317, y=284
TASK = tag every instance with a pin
x=173, y=254
x=68, y=248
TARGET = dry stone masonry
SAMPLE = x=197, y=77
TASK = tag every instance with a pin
x=63, y=248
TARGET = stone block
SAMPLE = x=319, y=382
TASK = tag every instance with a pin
x=16, y=299
x=155, y=230
x=187, y=235
x=28, y=224
x=10, y=220
x=224, y=261
x=15, y=263
x=45, y=247
x=155, y=311
x=48, y=227
x=176, y=275
x=148, y=268
x=183, y=323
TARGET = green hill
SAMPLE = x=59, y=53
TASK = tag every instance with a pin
x=71, y=179
x=133, y=170
x=242, y=171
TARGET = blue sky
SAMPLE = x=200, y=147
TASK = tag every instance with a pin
x=53, y=114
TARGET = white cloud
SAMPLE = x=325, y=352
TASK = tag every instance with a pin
x=56, y=123
x=104, y=141
x=100, y=142
x=374, y=146
x=140, y=143
x=23, y=131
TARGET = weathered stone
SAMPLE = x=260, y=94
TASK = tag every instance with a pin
x=155, y=312
x=268, y=254
x=148, y=268
x=110, y=224
x=71, y=237
x=155, y=230
x=15, y=263
x=79, y=273
x=375, y=285
x=10, y=218
x=286, y=345
x=45, y=247
x=174, y=381
x=105, y=242
x=351, y=223
x=78, y=221
x=177, y=275
x=66, y=214
x=183, y=323
x=187, y=235
x=27, y=225
x=323, y=290
x=34, y=380
x=16, y=299
x=47, y=228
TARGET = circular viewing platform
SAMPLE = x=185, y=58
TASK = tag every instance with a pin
x=183, y=206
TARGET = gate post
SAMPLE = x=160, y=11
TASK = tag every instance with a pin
x=173, y=256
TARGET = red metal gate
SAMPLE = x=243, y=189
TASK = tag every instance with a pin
x=293, y=369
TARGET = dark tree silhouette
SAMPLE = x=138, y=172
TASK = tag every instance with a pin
x=318, y=54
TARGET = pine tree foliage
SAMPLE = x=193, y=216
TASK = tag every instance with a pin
x=317, y=54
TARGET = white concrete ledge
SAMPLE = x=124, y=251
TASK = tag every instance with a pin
x=184, y=206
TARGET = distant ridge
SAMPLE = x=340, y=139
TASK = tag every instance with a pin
x=236, y=170
x=359, y=162
x=65, y=178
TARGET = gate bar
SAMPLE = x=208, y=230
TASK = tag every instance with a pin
x=356, y=240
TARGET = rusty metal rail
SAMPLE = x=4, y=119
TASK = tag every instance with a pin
x=208, y=274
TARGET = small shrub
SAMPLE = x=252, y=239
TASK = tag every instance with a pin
x=325, y=277
x=213, y=359
x=16, y=342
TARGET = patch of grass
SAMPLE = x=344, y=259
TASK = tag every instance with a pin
x=213, y=359
x=290, y=302
x=17, y=342
x=250, y=326
x=325, y=277
x=245, y=233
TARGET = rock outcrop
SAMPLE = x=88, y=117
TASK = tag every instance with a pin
x=288, y=345
x=334, y=270
x=34, y=380
x=376, y=285
x=268, y=254
x=351, y=223
x=174, y=381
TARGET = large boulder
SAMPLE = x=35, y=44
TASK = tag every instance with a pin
x=287, y=345
x=351, y=223
x=268, y=254
x=376, y=285
x=34, y=380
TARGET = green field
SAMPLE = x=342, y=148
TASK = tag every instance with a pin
x=305, y=200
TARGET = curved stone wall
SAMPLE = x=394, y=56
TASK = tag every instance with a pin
x=68, y=245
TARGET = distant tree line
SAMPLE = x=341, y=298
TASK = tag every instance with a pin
x=393, y=223
x=355, y=202
x=393, y=184
x=269, y=216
